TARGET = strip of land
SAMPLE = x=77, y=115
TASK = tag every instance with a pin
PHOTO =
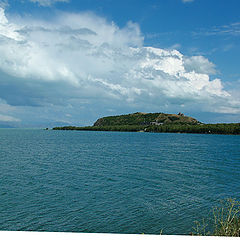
x=157, y=122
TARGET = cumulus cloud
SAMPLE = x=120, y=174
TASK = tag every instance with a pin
x=47, y=3
x=82, y=57
x=199, y=64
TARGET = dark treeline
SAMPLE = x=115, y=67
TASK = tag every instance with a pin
x=120, y=128
x=222, y=128
x=231, y=128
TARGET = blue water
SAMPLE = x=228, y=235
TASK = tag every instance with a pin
x=113, y=182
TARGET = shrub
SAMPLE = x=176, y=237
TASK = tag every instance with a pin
x=225, y=222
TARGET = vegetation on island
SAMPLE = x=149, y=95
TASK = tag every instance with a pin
x=156, y=122
x=145, y=119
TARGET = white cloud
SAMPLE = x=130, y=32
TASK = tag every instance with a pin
x=230, y=110
x=232, y=30
x=175, y=46
x=6, y=111
x=81, y=57
x=6, y=118
x=47, y=3
x=199, y=64
x=186, y=1
x=4, y=3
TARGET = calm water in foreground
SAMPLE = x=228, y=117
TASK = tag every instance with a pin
x=113, y=182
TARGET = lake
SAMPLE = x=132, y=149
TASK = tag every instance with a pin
x=113, y=182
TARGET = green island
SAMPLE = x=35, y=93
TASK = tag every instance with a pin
x=156, y=122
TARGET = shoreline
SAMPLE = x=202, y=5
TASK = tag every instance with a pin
x=222, y=129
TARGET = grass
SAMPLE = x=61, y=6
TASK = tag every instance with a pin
x=225, y=221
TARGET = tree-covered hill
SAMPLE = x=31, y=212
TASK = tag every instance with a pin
x=156, y=122
x=139, y=118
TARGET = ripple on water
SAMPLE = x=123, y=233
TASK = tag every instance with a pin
x=113, y=182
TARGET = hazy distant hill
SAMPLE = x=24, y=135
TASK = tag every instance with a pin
x=139, y=118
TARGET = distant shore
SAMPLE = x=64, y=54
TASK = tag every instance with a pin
x=157, y=122
x=223, y=128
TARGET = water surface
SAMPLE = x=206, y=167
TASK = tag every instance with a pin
x=113, y=182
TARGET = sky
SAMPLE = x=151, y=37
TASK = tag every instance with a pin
x=70, y=62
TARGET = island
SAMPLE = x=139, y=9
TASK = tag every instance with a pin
x=157, y=122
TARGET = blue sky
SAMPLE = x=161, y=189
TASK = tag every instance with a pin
x=69, y=62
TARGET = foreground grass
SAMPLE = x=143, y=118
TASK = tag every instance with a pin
x=225, y=221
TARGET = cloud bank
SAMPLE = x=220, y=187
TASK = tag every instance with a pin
x=80, y=59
